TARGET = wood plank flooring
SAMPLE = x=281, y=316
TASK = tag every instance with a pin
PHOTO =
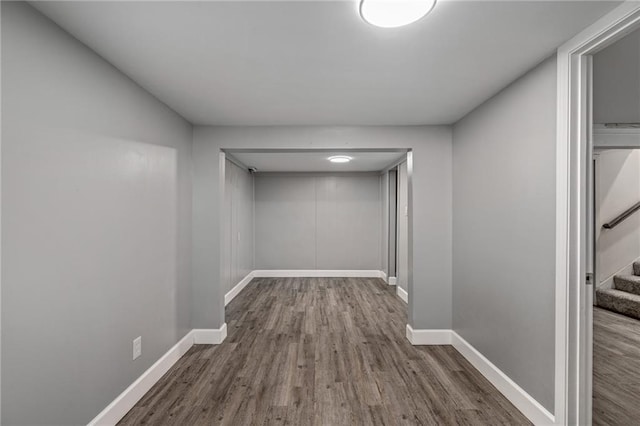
x=616, y=369
x=321, y=351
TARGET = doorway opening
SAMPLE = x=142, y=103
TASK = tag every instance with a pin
x=582, y=135
x=616, y=232
x=616, y=308
x=298, y=214
x=398, y=188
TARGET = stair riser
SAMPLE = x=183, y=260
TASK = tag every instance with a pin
x=618, y=305
x=627, y=284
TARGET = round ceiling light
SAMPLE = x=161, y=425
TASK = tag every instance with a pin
x=394, y=13
x=340, y=159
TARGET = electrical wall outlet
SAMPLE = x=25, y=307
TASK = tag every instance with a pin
x=137, y=347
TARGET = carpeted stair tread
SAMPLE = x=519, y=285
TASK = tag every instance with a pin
x=619, y=301
x=628, y=283
x=636, y=268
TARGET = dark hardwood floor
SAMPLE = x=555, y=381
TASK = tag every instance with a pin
x=321, y=351
x=616, y=369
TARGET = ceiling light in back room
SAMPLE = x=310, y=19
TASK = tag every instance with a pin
x=394, y=13
x=340, y=159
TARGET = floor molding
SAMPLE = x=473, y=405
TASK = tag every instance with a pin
x=210, y=336
x=402, y=294
x=524, y=402
x=124, y=402
x=276, y=273
x=428, y=337
x=120, y=406
x=384, y=277
x=393, y=281
x=286, y=273
x=238, y=288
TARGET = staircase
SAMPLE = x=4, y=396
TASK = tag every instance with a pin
x=624, y=297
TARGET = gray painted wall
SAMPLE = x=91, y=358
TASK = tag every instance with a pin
x=402, y=210
x=616, y=82
x=96, y=219
x=318, y=221
x=238, y=225
x=504, y=230
x=430, y=290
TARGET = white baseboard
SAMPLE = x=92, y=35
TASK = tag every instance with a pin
x=210, y=336
x=124, y=402
x=274, y=273
x=238, y=288
x=531, y=408
x=287, y=273
x=384, y=277
x=524, y=402
x=428, y=337
x=393, y=281
x=402, y=294
x=120, y=406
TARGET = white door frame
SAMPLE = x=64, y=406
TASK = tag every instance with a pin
x=572, y=370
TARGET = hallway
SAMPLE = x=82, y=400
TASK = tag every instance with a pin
x=324, y=351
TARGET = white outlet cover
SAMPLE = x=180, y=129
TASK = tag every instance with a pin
x=137, y=347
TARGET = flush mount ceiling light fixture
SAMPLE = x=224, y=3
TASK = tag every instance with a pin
x=340, y=159
x=394, y=13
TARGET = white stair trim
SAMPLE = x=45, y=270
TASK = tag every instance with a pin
x=627, y=270
x=119, y=407
x=402, y=294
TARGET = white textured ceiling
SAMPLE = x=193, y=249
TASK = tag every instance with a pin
x=317, y=62
x=317, y=161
